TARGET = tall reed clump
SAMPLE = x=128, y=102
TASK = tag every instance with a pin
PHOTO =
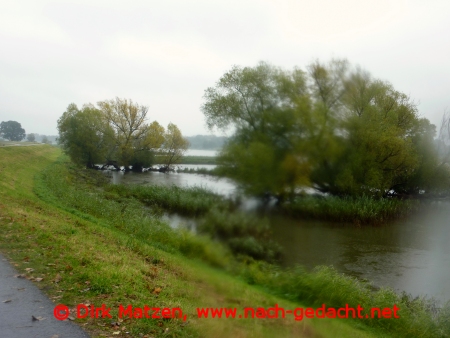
x=244, y=234
x=65, y=188
x=418, y=317
x=359, y=210
x=191, y=201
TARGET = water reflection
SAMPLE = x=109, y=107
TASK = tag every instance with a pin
x=411, y=255
x=219, y=186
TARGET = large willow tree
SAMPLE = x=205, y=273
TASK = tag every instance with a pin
x=332, y=127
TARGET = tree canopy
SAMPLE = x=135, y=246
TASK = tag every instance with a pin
x=85, y=135
x=115, y=131
x=31, y=137
x=12, y=131
x=174, y=145
x=332, y=127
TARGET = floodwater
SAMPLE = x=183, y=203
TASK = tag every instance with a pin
x=221, y=186
x=411, y=255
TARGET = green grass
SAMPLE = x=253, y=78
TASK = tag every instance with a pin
x=88, y=258
x=239, y=232
x=192, y=201
x=216, y=216
x=419, y=317
x=93, y=245
x=61, y=183
x=359, y=210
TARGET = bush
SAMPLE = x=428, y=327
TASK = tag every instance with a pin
x=244, y=234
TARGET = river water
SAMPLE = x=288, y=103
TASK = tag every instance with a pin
x=411, y=255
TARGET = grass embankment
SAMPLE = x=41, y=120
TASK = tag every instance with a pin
x=101, y=257
x=93, y=245
x=243, y=234
x=359, y=210
x=419, y=317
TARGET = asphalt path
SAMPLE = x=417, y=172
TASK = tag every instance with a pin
x=26, y=312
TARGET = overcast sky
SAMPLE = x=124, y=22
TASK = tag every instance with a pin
x=164, y=54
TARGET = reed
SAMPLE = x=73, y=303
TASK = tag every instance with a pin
x=359, y=210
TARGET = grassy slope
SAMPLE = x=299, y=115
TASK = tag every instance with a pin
x=72, y=253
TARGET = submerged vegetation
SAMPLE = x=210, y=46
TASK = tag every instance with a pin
x=245, y=234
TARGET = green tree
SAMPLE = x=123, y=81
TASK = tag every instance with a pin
x=117, y=132
x=85, y=135
x=31, y=137
x=174, y=146
x=332, y=127
x=135, y=140
x=146, y=146
x=12, y=131
x=266, y=106
x=376, y=134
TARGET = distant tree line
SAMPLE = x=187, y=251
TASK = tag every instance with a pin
x=207, y=142
x=13, y=131
x=35, y=137
x=331, y=127
x=117, y=132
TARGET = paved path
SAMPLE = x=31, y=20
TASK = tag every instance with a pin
x=24, y=301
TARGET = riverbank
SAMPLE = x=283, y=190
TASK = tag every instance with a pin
x=86, y=258
x=362, y=210
x=93, y=245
